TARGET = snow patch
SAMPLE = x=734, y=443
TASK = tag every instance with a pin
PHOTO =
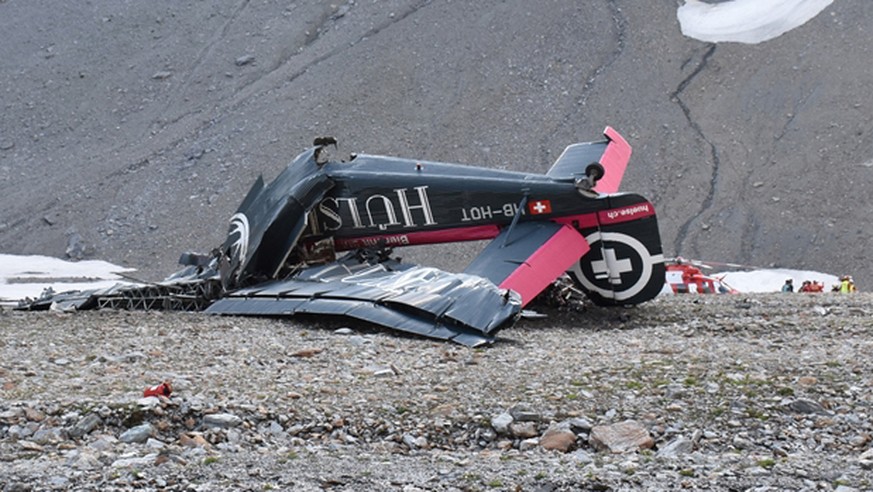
x=28, y=276
x=745, y=21
x=772, y=280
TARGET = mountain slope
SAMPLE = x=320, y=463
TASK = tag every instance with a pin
x=138, y=127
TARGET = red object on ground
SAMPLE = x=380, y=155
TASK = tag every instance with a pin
x=684, y=278
x=163, y=389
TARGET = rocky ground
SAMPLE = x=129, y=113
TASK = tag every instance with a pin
x=769, y=392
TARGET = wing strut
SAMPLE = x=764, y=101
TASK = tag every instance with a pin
x=517, y=216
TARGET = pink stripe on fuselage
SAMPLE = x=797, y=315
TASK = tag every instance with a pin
x=482, y=232
x=454, y=235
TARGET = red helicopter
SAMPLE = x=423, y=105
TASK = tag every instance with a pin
x=684, y=276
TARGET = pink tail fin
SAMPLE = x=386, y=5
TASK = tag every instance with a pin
x=614, y=161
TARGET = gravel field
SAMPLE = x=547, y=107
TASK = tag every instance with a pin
x=769, y=392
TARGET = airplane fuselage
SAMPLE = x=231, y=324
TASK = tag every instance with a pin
x=397, y=202
x=317, y=207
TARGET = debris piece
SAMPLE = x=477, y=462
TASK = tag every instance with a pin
x=163, y=389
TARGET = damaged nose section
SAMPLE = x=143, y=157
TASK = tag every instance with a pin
x=264, y=231
x=234, y=251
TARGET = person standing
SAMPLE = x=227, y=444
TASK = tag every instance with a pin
x=847, y=284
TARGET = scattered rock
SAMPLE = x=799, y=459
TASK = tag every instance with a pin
x=50, y=435
x=85, y=425
x=252, y=412
x=34, y=415
x=501, y=423
x=677, y=447
x=149, y=402
x=806, y=406
x=222, y=420
x=30, y=446
x=558, y=439
x=581, y=457
x=11, y=415
x=523, y=413
x=307, y=352
x=622, y=437
x=128, y=358
x=580, y=425
x=866, y=459
x=523, y=429
x=193, y=440
x=359, y=341
x=528, y=444
x=740, y=442
x=138, y=434
x=135, y=462
x=244, y=60
x=76, y=247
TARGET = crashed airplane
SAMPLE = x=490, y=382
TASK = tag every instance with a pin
x=280, y=254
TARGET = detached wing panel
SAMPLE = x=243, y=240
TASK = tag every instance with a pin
x=408, y=298
x=529, y=257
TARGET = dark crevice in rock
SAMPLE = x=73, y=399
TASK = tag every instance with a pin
x=620, y=34
x=682, y=234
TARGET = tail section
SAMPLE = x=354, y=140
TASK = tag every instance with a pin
x=612, y=155
x=626, y=263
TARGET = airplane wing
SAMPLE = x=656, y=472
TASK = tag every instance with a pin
x=613, y=154
x=527, y=258
x=424, y=301
x=409, y=298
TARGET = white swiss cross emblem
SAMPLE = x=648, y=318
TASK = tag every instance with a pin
x=610, y=267
x=539, y=207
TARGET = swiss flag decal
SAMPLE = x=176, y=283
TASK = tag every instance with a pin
x=538, y=207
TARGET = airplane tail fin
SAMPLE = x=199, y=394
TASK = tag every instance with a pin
x=625, y=264
x=612, y=155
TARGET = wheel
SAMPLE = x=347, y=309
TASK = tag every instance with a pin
x=595, y=171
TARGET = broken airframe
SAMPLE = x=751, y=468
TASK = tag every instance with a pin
x=280, y=254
